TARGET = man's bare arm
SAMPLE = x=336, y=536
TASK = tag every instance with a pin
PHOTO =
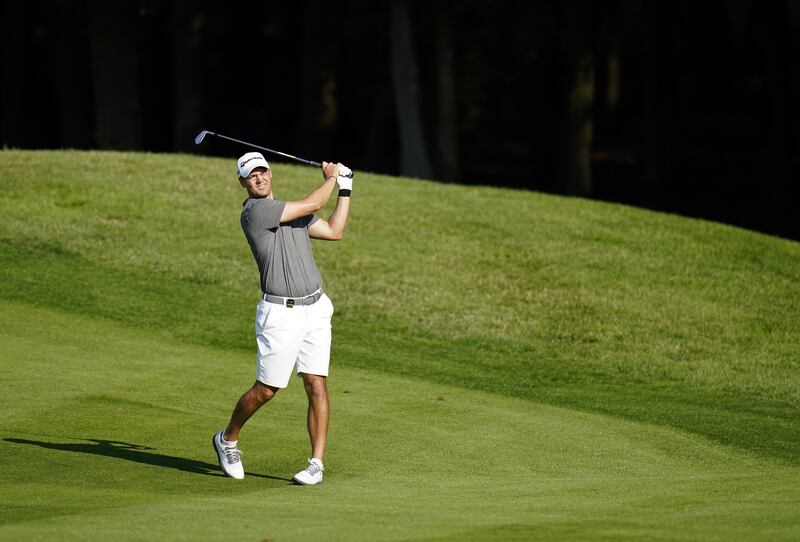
x=333, y=228
x=315, y=200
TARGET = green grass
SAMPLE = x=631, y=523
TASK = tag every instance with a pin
x=507, y=365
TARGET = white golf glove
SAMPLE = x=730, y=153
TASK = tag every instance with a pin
x=345, y=178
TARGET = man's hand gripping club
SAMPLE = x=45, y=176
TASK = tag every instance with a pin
x=345, y=178
x=333, y=228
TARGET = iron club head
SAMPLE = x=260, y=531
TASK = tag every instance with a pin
x=200, y=137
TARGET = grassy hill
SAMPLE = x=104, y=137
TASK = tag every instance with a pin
x=507, y=365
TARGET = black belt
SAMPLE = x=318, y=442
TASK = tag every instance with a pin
x=292, y=301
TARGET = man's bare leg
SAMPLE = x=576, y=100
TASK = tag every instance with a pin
x=318, y=413
x=248, y=404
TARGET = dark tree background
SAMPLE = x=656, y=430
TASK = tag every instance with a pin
x=685, y=106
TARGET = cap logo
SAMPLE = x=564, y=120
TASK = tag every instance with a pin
x=251, y=158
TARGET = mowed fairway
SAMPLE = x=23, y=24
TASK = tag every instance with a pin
x=507, y=365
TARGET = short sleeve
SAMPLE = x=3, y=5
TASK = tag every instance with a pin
x=265, y=214
x=305, y=221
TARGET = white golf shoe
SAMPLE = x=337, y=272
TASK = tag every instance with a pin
x=229, y=457
x=311, y=475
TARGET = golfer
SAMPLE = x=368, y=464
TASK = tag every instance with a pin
x=293, y=318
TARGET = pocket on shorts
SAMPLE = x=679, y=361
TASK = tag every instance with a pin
x=330, y=305
x=262, y=315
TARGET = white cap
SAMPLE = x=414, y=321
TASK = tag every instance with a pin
x=248, y=162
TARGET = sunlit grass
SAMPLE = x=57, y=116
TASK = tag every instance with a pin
x=683, y=326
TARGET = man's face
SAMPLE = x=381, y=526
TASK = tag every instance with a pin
x=258, y=183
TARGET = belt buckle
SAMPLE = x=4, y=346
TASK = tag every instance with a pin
x=290, y=303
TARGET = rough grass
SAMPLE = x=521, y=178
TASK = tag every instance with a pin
x=606, y=372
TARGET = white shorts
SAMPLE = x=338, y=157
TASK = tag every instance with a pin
x=293, y=335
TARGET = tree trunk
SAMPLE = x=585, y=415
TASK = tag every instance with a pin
x=778, y=76
x=576, y=141
x=317, y=106
x=414, y=161
x=651, y=102
x=380, y=131
x=608, y=61
x=112, y=31
x=72, y=82
x=447, y=126
x=188, y=22
x=14, y=74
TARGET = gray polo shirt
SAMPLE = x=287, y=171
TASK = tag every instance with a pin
x=282, y=250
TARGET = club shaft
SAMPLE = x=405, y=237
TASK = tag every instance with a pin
x=279, y=153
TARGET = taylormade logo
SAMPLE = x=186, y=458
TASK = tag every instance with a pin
x=252, y=158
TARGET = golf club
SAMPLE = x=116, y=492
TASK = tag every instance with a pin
x=204, y=133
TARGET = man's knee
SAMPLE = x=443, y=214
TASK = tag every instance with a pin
x=315, y=385
x=262, y=392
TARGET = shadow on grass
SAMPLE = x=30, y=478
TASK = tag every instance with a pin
x=137, y=454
